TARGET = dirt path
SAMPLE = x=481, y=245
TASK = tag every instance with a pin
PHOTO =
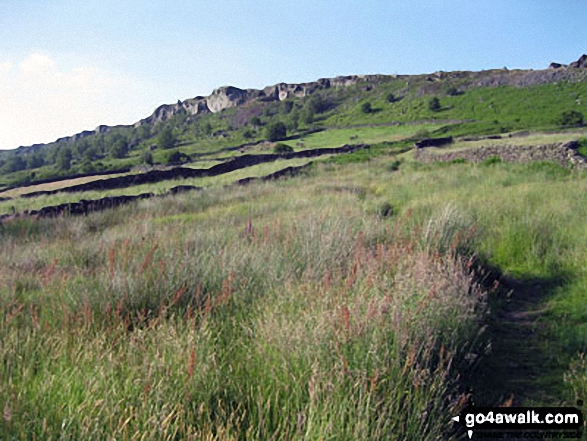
x=519, y=370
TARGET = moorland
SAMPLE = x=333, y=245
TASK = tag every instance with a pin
x=269, y=284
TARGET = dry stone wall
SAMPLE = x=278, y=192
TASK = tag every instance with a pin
x=562, y=153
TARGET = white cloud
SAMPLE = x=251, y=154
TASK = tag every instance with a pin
x=41, y=101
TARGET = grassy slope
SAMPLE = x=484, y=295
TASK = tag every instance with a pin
x=490, y=110
x=266, y=310
x=36, y=203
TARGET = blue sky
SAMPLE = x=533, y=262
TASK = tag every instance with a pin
x=67, y=66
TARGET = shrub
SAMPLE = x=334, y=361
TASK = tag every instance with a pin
x=366, y=107
x=276, y=131
x=434, y=104
x=64, y=158
x=394, y=166
x=391, y=98
x=582, y=148
x=166, y=138
x=281, y=148
x=286, y=107
x=452, y=91
x=148, y=158
x=386, y=210
x=492, y=160
x=570, y=118
x=177, y=157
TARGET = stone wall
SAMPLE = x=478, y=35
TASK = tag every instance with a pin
x=562, y=153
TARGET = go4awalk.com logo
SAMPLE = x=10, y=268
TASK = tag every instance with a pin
x=521, y=422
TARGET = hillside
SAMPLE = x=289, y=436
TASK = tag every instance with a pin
x=484, y=102
x=354, y=258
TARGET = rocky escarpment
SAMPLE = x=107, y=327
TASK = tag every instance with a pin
x=562, y=153
x=580, y=63
x=230, y=96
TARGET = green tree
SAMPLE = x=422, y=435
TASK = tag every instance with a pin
x=15, y=163
x=318, y=103
x=166, y=139
x=64, y=158
x=177, y=157
x=308, y=115
x=35, y=160
x=434, y=104
x=286, y=107
x=87, y=166
x=118, y=148
x=148, y=158
x=391, y=98
x=255, y=121
x=294, y=120
x=276, y=131
x=570, y=118
x=282, y=148
x=366, y=107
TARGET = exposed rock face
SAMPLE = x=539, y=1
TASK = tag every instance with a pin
x=555, y=66
x=226, y=97
x=581, y=62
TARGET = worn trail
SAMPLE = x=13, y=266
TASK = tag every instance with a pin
x=519, y=369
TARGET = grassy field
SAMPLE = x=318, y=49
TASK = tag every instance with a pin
x=530, y=140
x=57, y=185
x=36, y=203
x=338, y=305
x=359, y=135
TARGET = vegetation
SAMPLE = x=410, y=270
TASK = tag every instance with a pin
x=282, y=148
x=276, y=131
x=571, y=118
x=351, y=302
x=366, y=107
x=166, y=139
x=434, y=104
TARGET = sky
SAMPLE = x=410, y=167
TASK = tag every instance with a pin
x=71, y=65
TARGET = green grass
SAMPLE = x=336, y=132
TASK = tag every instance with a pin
x=36, y=203
x=290, y=317
x=292, y=309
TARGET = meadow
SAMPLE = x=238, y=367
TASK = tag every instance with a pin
x=38, y=202
x=339, y=305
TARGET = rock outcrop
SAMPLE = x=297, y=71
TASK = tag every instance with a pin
x=581, y=62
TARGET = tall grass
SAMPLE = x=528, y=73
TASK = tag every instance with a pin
x=288, y=317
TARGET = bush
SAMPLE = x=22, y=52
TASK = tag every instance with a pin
x=366, y=107
x=255, y=121
x=391, y=98
x=166, y=138
x=394, y=166
x=386, y=210
x=286, y=107
x=434, y=104
x=64, y=158
x=177, y=157
x=492, y=160
x=570, y=118
x=275, y=131
x=281, y=148
x=148, y=158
